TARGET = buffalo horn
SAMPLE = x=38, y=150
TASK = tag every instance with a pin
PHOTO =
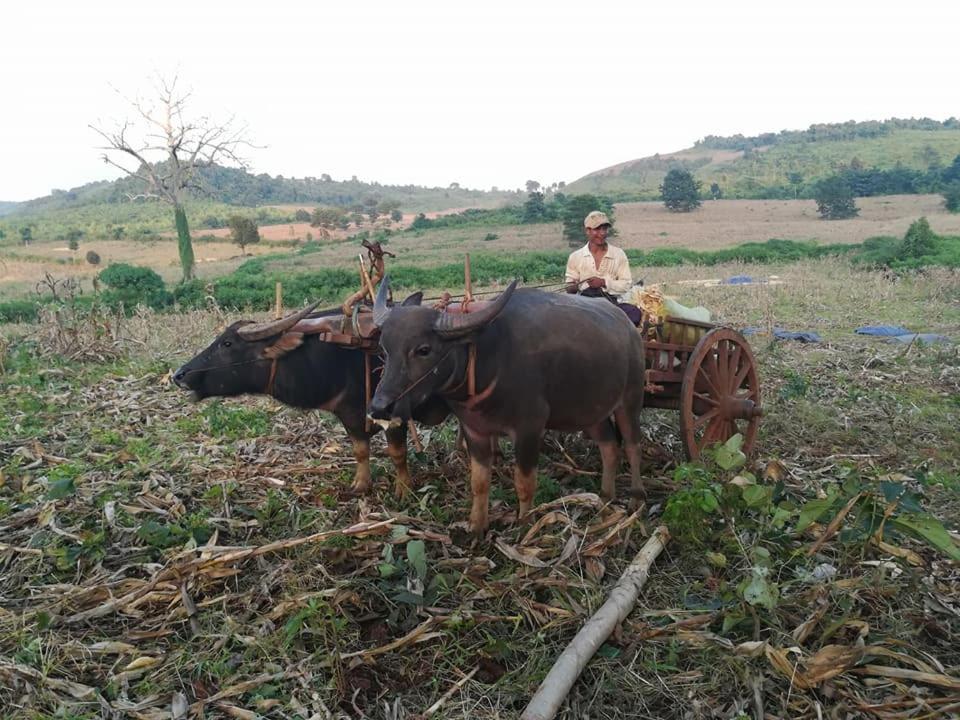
x=380, y=309
x=259, y=331
x=457, y=325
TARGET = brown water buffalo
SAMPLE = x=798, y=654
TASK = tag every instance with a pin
x=303, y=371
x=543, y=361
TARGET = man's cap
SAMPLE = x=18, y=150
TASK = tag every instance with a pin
x=596, y=219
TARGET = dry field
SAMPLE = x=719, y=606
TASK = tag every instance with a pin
x=720, y=224
x=22, y=267
x=161, y=559
x=717, y=224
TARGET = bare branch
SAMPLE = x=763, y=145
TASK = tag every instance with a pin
x=169, y=148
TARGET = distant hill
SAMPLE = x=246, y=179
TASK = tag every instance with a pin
x=233, y=186
x=7, y=207
x=787, y=163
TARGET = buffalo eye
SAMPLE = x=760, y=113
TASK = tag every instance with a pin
x=227, y=343
x=423, y=351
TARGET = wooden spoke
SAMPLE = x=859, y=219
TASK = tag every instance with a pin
x=705, y=418
x=707, y=399
x=719, y=375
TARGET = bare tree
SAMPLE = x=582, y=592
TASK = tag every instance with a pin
x=168, y=149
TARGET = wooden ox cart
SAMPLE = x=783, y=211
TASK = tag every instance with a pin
x=708, y=374
x=704, y=371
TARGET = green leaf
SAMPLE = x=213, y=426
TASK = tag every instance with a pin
x=759, y=591
x=780, y=517
x=398, y=533
x=891, y=490
x=417, y=556
x=813, y=511
x=408, y=598
x=929, y=529
x=387, y=569
x=729, y=455
x=60, y=489
x=731, y=620
x=756, y=496
x=709, y=502
x=608, y=651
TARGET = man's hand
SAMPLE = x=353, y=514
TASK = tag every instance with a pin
x=597, y=282
x=572, y=287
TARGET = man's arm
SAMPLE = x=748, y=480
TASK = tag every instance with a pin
x=623, y=278
x=571, y=276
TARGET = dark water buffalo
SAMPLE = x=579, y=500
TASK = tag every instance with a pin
x=543, y=361
x=301, y=370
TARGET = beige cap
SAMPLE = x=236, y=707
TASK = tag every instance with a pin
x=596, y=219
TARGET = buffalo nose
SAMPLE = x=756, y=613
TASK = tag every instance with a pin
x=380, y=410
x=179, y=376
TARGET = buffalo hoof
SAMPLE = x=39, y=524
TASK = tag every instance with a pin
x=360, y=486
x=402, y=490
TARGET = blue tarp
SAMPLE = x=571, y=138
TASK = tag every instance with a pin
x=738, y=280
x=925, y=338
x=781, y=334
x=882, y=330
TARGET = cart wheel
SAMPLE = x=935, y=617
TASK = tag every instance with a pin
x=720, y=394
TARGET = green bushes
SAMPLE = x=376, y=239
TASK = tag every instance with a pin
x=131, y=285
x=14, y=311
x=920, y=247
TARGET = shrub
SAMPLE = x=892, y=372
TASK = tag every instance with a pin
x=919, y=241
x=93, y=258
x=132, y=285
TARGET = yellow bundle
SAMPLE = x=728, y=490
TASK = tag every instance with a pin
x=650, y=301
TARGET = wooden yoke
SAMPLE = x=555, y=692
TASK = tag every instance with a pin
x=368, y=283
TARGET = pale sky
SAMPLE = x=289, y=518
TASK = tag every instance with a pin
x=485, y=94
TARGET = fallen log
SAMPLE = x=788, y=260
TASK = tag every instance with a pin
x=564, y=673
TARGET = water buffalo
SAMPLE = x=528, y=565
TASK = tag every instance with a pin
x=301, y=370
x=543, y=361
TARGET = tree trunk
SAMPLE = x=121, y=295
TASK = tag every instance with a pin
x=184, y=244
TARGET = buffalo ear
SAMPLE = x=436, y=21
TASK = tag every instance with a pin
x=284, y=344
x=414, y=299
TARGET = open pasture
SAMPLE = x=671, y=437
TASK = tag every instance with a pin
x=163, y=559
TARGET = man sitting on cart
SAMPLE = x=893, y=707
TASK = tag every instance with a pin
x=600, y=269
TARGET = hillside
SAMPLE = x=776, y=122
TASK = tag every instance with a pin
x=764, y=165
x=104, y=209
x=7, y=207
x=233, y=186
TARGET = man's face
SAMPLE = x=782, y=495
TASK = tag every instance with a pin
x=598, y=235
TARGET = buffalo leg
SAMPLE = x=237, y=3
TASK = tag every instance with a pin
x=629, y=424
x=527, y=451
x=603, y=434
x=480, y=461
x=361, y=452
x=397, y=449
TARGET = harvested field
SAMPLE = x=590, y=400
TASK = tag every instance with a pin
x=165, y=559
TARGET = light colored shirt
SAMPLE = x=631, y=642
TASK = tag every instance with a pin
x=614, y=268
